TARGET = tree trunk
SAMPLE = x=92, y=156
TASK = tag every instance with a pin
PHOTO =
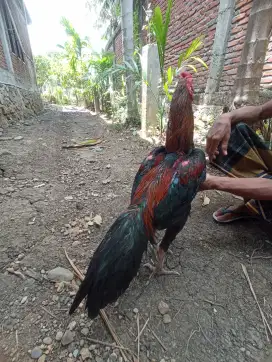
x=96, y=102
x=128, y=49
x=249, y=73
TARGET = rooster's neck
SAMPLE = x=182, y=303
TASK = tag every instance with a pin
x=180, y=130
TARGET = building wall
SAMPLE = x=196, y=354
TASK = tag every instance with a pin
x=118, y=46
x=266, y=81
x=22, y=69
x=19, y=95
x=195, y=17
x=3, y=63
x=191, y=18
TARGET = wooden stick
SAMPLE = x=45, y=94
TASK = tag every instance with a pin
x=157, y=338
x=17, y=340
x=48, y=312
x=138, y=329
x=112, y=345
x=266, y=324
x=102, y=313
x=141, y=332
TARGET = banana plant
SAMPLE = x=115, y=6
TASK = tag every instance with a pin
x=159, y=28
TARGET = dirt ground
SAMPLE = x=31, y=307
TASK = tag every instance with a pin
x=48, y=194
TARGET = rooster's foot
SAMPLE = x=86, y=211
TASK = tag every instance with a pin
x=158, y=270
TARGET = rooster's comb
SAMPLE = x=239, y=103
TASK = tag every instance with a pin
x=186, y=75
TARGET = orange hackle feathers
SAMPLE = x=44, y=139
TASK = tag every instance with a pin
x=154, y=187
x=180, y=129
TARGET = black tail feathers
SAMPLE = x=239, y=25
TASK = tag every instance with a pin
x=114, y=264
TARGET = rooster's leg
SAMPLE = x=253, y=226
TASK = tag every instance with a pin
x=158, y=268
x=169, y=236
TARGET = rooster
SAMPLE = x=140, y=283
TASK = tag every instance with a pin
x=164, y=187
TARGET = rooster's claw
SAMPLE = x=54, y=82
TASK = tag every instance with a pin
x=156, y=270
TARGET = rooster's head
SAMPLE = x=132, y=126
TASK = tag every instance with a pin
x=189, y=82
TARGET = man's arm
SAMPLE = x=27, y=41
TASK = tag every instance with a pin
x=250, y=114
x=220, y=131
x=248, y=188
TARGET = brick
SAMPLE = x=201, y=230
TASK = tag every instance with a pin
x=267, y=66
x=267, y=73
x=243, y=3
x=234, y=43
x=267, y=80
x=232, y=71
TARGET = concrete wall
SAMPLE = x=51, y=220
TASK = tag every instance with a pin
x=19, y=95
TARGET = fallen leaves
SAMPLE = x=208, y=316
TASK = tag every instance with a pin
x=206, y=200
x=97, y=220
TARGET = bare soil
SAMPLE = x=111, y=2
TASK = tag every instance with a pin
x=45, y=194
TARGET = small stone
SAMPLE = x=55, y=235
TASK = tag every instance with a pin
x=85, y=331
x=59, y=336
x=98, y=359
x=72, y=325
x=36, y=353
x=10, y=189
x=242, y=349
x=92, y=347
x=42, y=358
x=18, y=138
x=108, y=166
x=113, y=357
x=166, y=319
x=68, y=198
x=24, y=300
x=76, y=243
x=248, y=353
x=105, y=182
x=75, y=353
x=67, y=338
x=136, y=310
x=60, y=274
x=162, y=360
x=85, y=353
x=21, y=256
x=163, y=308
x=172, y=360
x=81, y=342
x=79, y=205
x=47, y=341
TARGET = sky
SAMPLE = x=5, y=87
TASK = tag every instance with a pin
x=46, y=32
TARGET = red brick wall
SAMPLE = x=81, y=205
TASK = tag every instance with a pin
x=3, y=63
x=191, y=18
x=118, y=46
x=266, y=81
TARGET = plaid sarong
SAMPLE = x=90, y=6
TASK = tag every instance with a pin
x=248, y=156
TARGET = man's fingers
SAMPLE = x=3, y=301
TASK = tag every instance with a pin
x=213, y=148
x=224, y=145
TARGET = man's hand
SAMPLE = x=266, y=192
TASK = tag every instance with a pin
x=219, y=133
